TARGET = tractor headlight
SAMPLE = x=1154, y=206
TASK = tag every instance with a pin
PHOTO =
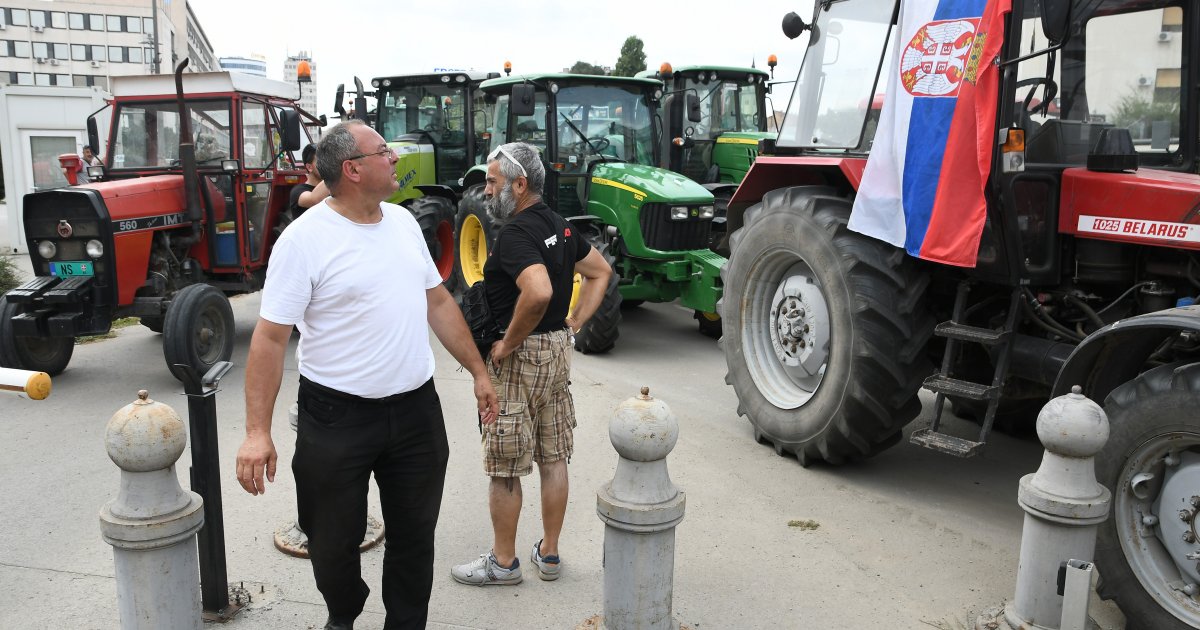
x=706, y=212
x=679, y=213
x=95, y=248
x=47, y=249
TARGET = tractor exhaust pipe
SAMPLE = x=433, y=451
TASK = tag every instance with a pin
x=187, y=155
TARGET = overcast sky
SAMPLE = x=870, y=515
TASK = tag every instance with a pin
x=371, y=38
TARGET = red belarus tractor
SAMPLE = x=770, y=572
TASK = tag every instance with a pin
x=1087, y=269
x=183, y=213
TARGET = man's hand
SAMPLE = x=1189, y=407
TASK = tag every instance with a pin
x=500, y=352
x=257, y=455
x=485, y=394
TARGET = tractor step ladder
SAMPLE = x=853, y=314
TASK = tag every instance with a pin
x=944, y=384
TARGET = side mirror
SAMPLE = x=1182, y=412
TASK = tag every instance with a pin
x=360, y=108
x=324, y=120
x=794, y=25
x=340, y=98
x=289, y=132
x=93, y=135
x=693, y=108
x=521, y=101
x=1056, y=19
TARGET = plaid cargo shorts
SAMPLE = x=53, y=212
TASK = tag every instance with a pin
x=537, y=414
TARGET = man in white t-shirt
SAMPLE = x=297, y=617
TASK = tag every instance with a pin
x=354, y=274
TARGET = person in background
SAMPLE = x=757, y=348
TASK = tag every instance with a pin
x=313, y=190
x=89, y=159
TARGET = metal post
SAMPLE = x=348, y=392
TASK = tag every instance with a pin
x=155, y=65
x=640, y=508
x=152, y=523
x=205, y=476
x=1064, y=505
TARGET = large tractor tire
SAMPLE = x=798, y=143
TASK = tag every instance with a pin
x=825, y=330
x=475, y=236
x=1151, y=463
x=39, y=354
x=198, y=329
x=435, y=215
x=600, y=332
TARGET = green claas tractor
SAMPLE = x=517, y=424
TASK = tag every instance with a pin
x=717, y=150
x=599, y=139
x=435, y=123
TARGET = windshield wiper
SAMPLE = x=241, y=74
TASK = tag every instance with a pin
x=588, y=142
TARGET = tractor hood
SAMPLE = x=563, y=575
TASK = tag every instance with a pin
x=142, y=196
x=648, y=184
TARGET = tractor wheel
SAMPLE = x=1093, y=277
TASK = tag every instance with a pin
x=719, y=237
x=153, y=323
x=710, y=324
x=600, y=332
x=39, y=354
x=435, y=215
x=824, y=329
x=631, y=304
x=476, y=236
x=198, y=329
x=1151, y=463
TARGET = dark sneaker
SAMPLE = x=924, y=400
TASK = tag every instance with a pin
x=486, y=571
x=547, y=566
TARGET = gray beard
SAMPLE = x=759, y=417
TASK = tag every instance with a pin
x=503, y=205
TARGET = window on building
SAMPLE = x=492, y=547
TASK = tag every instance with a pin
x=1172, y=19
x=98, y=53
x=60, y=51
x=24, y=78
x=79, y=52
x=79, y=80
x=77, y=21
x=148, y=25
x=18, y=17
x=58, y=19
x=133, y=55
x=116, y=54
x=42, y=78
x=114, y=24
x=100, y=82
x=95, y=22
x=133, y=24
x=37, y=19
x=21, y=49
x=41, y=50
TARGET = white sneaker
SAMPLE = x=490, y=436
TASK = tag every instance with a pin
x=547, y=566
x=485, y=570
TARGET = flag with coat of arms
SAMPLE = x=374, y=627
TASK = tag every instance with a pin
x=923, y=188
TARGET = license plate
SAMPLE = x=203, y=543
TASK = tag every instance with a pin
x=68, y=269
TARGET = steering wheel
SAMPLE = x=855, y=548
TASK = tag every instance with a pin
x=598, y=144
x=1050, y=91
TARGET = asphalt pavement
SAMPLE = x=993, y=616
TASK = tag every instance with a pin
x=908, y=539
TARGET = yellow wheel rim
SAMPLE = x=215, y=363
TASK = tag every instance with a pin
x=712, y=317
x=472, y=249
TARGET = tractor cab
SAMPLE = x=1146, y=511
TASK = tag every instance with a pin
x=437, y=124
x=719, y=147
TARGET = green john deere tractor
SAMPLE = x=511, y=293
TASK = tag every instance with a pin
x=435, y=122
x=718, y=149
x=600, y=140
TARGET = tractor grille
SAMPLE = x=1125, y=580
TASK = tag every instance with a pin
x=661, y=233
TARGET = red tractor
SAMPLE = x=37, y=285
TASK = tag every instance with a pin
x=182, y=215
x=1086, y=272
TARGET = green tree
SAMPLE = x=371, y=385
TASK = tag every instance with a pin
x=583, y=67
x=632, y=59
x=8, y=274
x=1138, y=113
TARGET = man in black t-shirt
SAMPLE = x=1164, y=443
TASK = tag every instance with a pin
x=313, y=190
x=529, y=278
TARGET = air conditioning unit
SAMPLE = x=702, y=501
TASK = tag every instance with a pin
x=95, y=64
x=54, y=62
x=38, y=29
x=1164, y=36
x=40, y=59
x=1143, y=81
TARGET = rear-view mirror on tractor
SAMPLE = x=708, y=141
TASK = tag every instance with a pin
x=340, y=98
x=522, y=99
x=693, y=108
x=1056, y=18
x=93, y=135
x=289, y=129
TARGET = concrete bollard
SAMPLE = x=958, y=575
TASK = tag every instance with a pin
x=152, y=523
x=1064, y=505
x=640, y=508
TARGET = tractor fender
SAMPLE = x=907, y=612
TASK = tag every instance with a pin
x=477, y=175
x=438, y=190
x=720, y=188
x=1117, y=353
x=585, y=221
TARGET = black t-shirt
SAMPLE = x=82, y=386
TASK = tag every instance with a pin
x=536, y=235
x=294, y=204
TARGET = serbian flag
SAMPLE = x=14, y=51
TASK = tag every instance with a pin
x=924, y=182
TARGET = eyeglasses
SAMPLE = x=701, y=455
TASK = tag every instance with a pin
x=500, y=150
x=386, y=151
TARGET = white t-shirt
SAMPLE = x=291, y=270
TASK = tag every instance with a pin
x=357, y=294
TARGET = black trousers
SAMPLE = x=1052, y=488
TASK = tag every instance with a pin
x=341, y=439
